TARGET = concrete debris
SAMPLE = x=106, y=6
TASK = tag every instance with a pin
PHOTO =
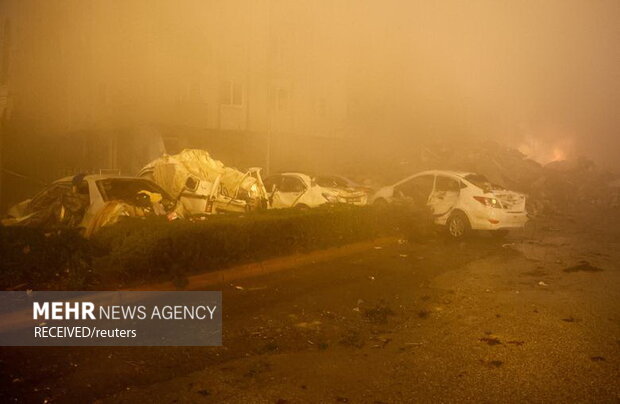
x=556, y=186
x=204, y=185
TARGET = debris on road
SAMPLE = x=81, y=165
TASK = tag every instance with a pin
x=491, y=340
x=312, y=325
x=378, y=314
x=583, y=266
x=494, y=364
x=413, y=343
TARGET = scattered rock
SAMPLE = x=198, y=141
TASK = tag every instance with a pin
x=313, y=325
x=378, y=314
x=424, y=314
x=491, y=364
x=583, y=266
x=491, y=340
x=352, y=338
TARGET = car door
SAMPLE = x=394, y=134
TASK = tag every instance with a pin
x=272, y=183
x=416, y=189
x=288, y=192
x=445, y=195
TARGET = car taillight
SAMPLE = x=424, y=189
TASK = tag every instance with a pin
x=488, y=202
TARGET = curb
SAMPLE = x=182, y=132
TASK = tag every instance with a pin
x=203, y=280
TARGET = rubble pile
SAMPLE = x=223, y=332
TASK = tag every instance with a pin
x=555, y=186
x=171, y=172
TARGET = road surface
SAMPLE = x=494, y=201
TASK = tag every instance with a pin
x=534, y=317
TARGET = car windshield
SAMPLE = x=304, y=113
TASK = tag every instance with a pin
x=127, y=189
x=482, y=182
x=331, y=182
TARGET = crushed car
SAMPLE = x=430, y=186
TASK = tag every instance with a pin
x=298, y=190
x=341, y=183
x=204, y=185
x=89, y=202
x=460, y=201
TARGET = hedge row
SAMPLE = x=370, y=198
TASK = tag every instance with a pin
x=135, y=251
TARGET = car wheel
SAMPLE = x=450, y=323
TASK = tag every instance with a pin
x=458, y=225
x=302, y=206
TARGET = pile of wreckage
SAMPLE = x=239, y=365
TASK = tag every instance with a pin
x=185, y=185
x=190, y=185
x=556, y=186
x=193, y=185
x=204, y=185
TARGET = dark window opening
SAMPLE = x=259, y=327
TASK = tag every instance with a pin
x=447, y=184
x=291, y=184
x=127, y=190
x=418, y=188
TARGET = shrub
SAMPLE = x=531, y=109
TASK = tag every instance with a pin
x=139, y=250
x=32, y=256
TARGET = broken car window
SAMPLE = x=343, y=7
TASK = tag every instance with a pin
x=418, y=188
x=446, y=184
x=272, y=183
x=291, y=184
x=331, y=182
x=48, y=196
x=482, y=182
x=127, y=190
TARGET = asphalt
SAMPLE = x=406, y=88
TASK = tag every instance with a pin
x=532, y=318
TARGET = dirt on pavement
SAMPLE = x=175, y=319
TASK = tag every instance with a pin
x=513, y=320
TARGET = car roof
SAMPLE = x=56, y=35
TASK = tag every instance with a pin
x=451, y=173
x=291, y=173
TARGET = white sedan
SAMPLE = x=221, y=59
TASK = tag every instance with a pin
x=460, y=201
x=297, y=190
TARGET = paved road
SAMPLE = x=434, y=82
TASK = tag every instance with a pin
x=482, y=320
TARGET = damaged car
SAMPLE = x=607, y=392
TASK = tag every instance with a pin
x=344, y=184
x=90, y=202
x=204, y=185
x=298, y=190
x=460, y=201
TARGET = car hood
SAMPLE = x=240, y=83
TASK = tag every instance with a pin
x=344, y=192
